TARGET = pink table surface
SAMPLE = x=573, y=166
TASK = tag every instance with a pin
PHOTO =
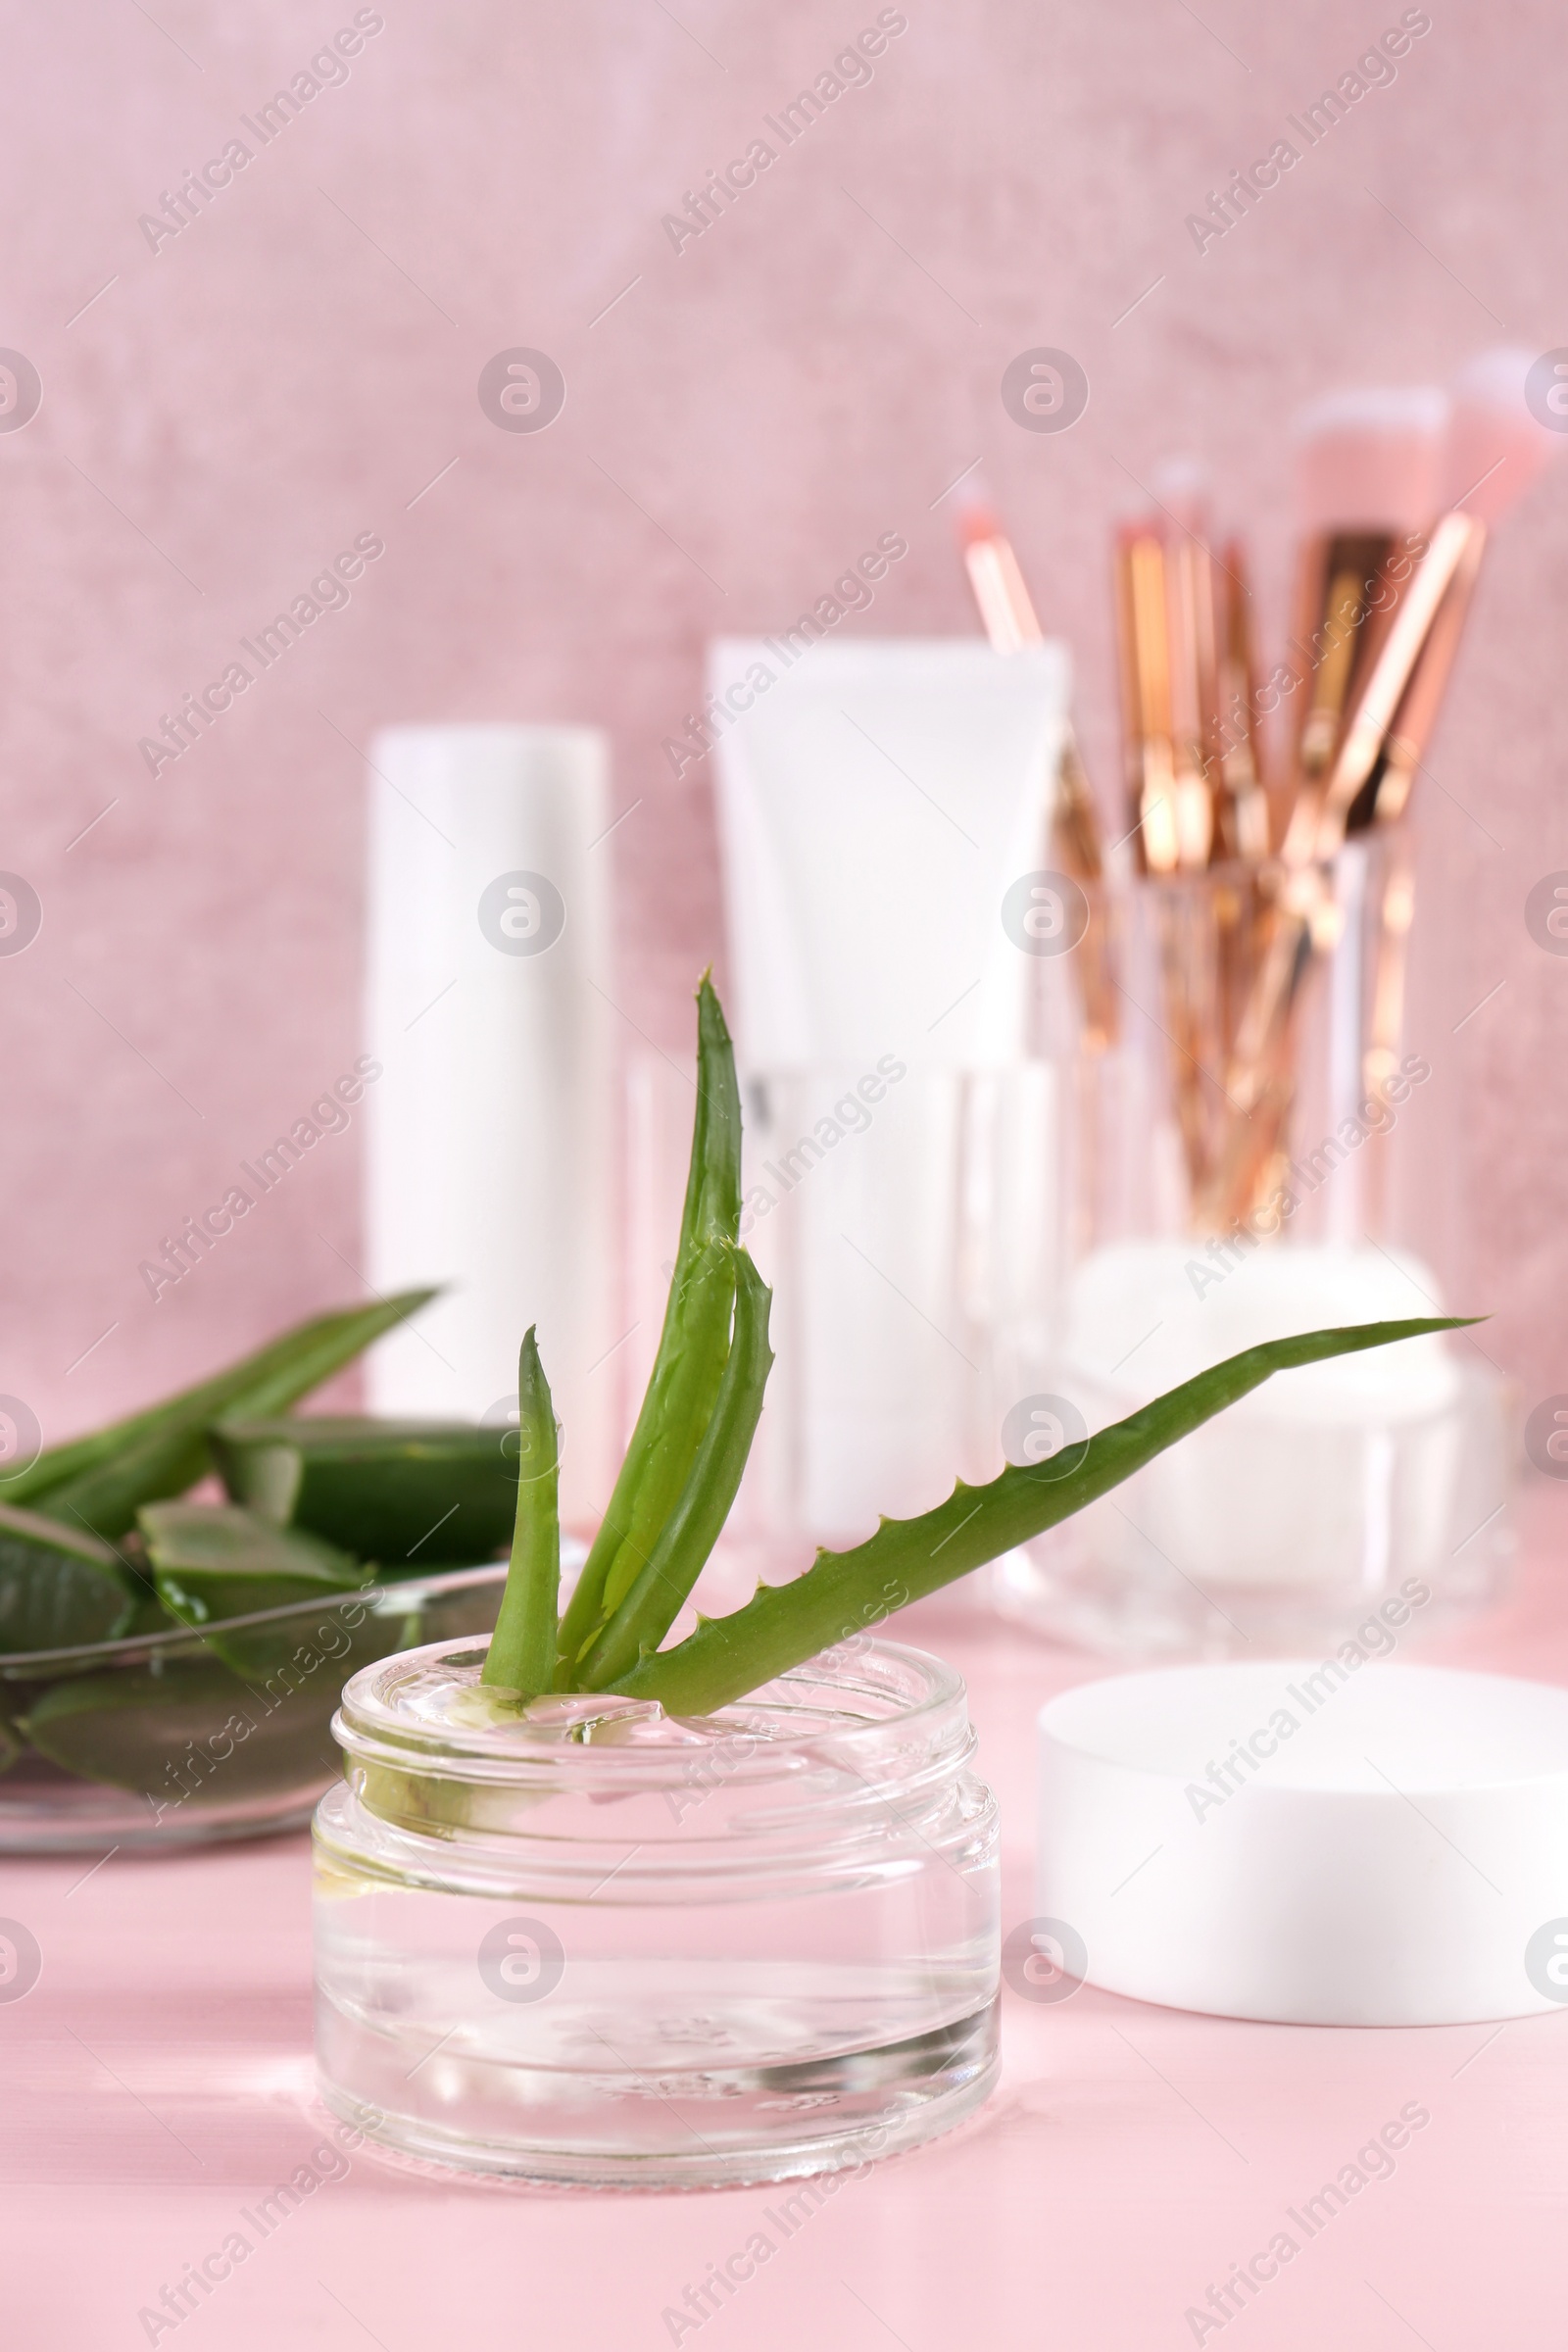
x=158, y=2078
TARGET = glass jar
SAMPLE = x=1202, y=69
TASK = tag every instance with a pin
x=901, y=1214
x=1205, y=1220
x=597, y=1944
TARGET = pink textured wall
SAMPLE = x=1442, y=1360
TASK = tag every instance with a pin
x=300, y=363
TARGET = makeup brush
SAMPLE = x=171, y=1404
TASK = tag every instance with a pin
x=1366, y=484
x=1170, y=700
x=1006, y=610
x=1010, y=622
x=1144, y=642
x=1366, y=480
x=1241, y=800
x=1165, y=602
x=1494, y=454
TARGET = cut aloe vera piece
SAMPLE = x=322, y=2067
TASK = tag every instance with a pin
x=212, y=1561
x=101, y=1482
x=187, y=1735
x=408, y=1495
x=58, y=1586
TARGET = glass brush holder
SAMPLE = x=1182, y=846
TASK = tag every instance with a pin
x=1233, y=1183
x=593, y=1943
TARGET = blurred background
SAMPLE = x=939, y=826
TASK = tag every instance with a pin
x=236, y=389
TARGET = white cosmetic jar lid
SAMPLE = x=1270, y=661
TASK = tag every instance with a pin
x=1310, y=1844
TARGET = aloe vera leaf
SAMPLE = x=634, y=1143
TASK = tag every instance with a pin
x=206, y=1399
x=187, y=1735
x=678, y=1401
x=410, y=1494
x=170, y=1452
x=523, y=1648
x=212, y=1561
x=57, y=1586
x=690, y=1395
x=694, y=1527
x=845, y=1592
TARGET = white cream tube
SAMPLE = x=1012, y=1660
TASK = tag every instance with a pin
x=877, y=802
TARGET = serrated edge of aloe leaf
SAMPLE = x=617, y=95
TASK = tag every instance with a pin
x=845, y=1594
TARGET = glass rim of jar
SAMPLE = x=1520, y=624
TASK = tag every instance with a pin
x=913, y=1719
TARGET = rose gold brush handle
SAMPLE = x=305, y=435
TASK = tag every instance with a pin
x=1321, y=818
x=1240, y=799
x=1453, y=550
x=1260, y=1085
x=1145, y=648
x=1010, y=622
x=1339, y=618
x=1166, y=642
x=1076, y=836
x=1006, y=612
x=1189, y=617
x=1382, y=801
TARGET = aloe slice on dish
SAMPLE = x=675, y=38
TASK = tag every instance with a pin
x=212, y=1561
x=57, y=1586
x=408, y=1495
x=184, y=1735
x=100, y=1482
